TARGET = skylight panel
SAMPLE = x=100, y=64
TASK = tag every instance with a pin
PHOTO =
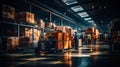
x=77, y=8
x=87, y=18
x=83, y=14
x=90, y=21
x=69, y=2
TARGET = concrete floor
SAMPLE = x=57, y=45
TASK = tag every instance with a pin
x=86, y=56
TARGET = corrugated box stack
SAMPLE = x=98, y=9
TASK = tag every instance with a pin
x=11, y=43
x=8, y=12
x=25, y=41
x=58, y=36
x=26, y=37
x=40, y=23
x=89, y=31
x=53, y=26
x=48, y=25
x=25, y=17
x=60, y=28
x=66, y=40
x=36, y=35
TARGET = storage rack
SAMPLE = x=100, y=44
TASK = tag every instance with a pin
x=115, y=36
x=33, y=26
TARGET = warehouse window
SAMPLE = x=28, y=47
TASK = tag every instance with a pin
x=83, y=14
x=77, y=8
x=69, y=2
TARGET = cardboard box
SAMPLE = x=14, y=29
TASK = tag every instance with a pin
x=40, y=23
x=25, y=17
x=8, y=12
x=65, y=36
x=66, y=43
x=48, y=25
x=58, y=36
x=25, y=41
x=69, y=44
x=10, y=43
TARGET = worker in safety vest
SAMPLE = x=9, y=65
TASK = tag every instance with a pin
x=89, y=37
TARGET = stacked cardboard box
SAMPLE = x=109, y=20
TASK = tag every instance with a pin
x=8, y=12
x=53, y=26
x=40, y=23
x=11, y=33
x=60, y=28
x=69, y=44
x=89, y=30
x=25, y=17
x=72, y=41
x=36, y=35
x=66, y=40
x=25, y=41
x=70, y=31
x=59, y=40
x=48, y=25
x=10, y=43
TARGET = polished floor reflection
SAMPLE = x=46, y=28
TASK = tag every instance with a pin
x=86, y=56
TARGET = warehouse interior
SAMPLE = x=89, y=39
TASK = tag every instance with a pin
x=59, y=33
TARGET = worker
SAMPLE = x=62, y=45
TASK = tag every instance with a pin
x=76, y=40
x=89, y=39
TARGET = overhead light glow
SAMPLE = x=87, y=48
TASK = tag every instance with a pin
x=83, y=14
x=90, y=21
x=69, y=2
x=87, y=18
x=77, y=8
